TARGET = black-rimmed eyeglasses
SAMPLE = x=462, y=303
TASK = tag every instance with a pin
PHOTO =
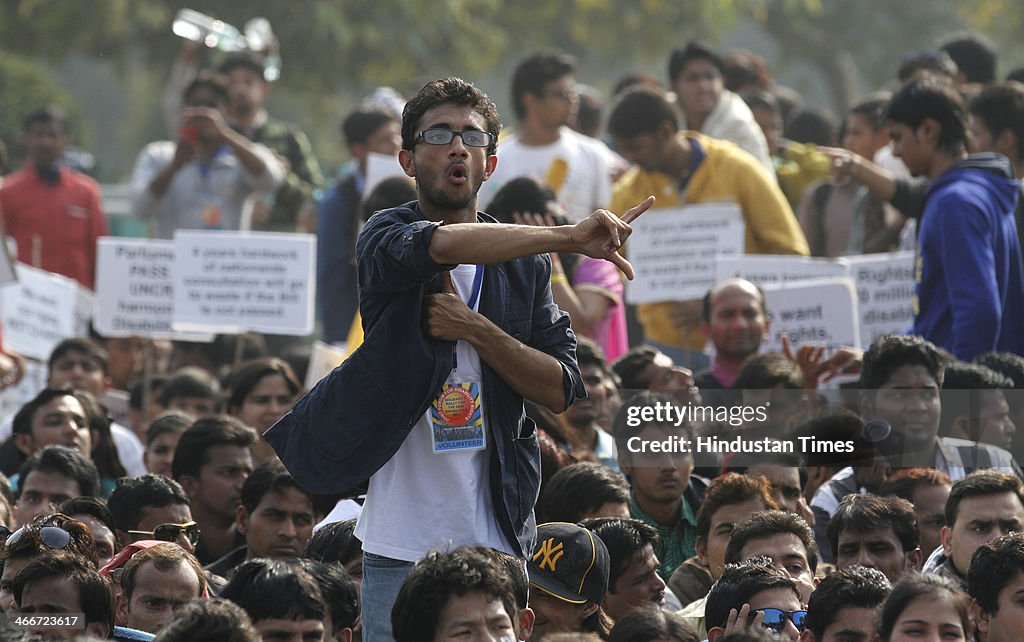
x=470, y=137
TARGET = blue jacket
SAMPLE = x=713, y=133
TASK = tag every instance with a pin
x=352, y=422
x=969, y=271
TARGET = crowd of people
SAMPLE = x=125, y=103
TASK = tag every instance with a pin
x=496, y=458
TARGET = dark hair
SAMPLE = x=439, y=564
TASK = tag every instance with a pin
x=929, y=97
x=623, y=431
x=931, y=587
x=634, y=79
x=815, y=126
x=137, y=390
x=360, y=124
x=763, y=99
x=51, y=114
x=515, y=568
x=133, y=495
x=275, y=589
x=904, y=481
x=935, y=61
x=334, y=542
x=1001, y=108
x=623, y=538
x=768, y=370
x=92, y=351
x=339, y=592
x=191, y=382
x=767, y=523
x=851, y=587
x=893, y=351
x=22, y=422
x=242, y=381
x=521, y=194
x=93, y=589
x=863, y=513
x=242, y=60
x=449, y=91
x=204, y=434
x=651, y=623
x=641, y=110
x=30, y=545
x=164, y=556
x=589, y=353
x=390, y=192
x=974, y=55
x=738, y=584
x=269, y=477
x=630, y=367
x=167, y=422
x=979, y=484
x=693, y=50
x=209, y=81
x=872, y=109
x=63, y=461
x=962, y=386
x=435, y=579
x=993, y=566
x=579, y=489
x=743, y=69
x=730, y=489
x=90, y=506
x=533, y=73
x=212, y=620
x=104, y=451
x=588, y=111
x=1005, y=363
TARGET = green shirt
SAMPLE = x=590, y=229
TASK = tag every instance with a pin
x=303, y=177
x=677, y=541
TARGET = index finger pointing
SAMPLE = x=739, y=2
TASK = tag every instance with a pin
x=634, y=212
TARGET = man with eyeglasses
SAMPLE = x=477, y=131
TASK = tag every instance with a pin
x=460, y=329
x=153, y=507
x=751, y=594
x=575, y=167
x=43, y=534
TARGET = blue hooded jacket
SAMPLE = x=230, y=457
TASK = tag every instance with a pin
x=969, y=272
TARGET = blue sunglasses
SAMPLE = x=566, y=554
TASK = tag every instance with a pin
x=775, y=619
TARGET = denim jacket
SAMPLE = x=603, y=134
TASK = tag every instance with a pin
x=352, y=422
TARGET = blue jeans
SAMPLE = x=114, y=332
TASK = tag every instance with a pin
x=692, y=359
x=382, y=577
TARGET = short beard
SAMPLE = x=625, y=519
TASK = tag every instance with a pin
x=442, y=200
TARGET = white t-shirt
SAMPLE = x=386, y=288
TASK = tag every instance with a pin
x=420, y=500
x=586, y=185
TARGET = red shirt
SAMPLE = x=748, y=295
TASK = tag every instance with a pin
x=55, y=226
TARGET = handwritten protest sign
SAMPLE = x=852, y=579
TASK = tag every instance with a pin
x=818, y=311
x=231, y=282
x=134, y=287
x=42, y=309
x=885, y=290
x=673, y=250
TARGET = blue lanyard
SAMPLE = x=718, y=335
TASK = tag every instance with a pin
x=474, y=294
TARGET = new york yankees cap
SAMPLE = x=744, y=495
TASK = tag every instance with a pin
x=569, y=563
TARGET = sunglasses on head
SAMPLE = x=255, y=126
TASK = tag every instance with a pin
x=171, y=532
x=775, y=619
x=50, y=536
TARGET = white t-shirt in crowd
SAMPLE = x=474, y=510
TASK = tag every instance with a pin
x=421, y=500
x=586, y=185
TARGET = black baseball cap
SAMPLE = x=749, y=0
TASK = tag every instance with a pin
x=570, y=563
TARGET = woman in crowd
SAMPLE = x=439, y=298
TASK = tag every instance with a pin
x=259, y=393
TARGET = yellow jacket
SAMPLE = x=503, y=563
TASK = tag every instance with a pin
x=727, y=174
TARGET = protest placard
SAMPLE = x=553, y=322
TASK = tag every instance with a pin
x=769, y=269
x=673, y=250
x=322, y=360
x=232, y=282
x=40, y=310
x=380, y=167
x=822, y=311
x=134, y=287
x=885, y=290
